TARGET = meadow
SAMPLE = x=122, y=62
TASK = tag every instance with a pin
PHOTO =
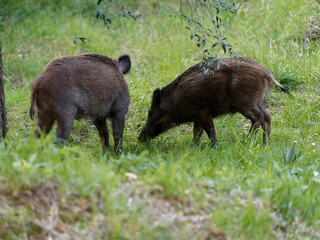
x=165, y=188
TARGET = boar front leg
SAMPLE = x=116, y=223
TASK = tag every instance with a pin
x=207, y=124
x=102, y=128
x=197, y=132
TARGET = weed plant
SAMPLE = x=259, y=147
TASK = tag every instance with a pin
x=239, y=189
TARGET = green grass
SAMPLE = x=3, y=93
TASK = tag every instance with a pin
x=238, y=190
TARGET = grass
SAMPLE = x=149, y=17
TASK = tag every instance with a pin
x=238, y=190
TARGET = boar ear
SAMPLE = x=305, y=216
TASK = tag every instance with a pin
x=156, y=98
x=124, y=64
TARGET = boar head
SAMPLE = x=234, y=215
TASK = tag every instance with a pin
x=158, y=119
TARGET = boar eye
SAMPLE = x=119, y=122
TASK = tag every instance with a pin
x=150, y=112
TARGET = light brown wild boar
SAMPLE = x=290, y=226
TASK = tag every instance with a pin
x=238, y=86
x=85, y=86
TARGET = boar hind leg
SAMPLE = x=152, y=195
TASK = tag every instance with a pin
x=44, y=123
x=197, y=132
x=119, y=111
x=257, y=120
x=266, y=121
x=117, y=130
x=208, y=126
x=65, y=121
x=266, y=129
x=102, y=128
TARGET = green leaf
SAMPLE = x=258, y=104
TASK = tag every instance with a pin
x=215, y=44
x=224, y=49
x=82, y=39
x=203, y=42
x=98, y=14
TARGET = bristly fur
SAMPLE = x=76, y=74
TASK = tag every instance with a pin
x=33, y=99
x=99, y=58
x=169, y=88
x=224, y=67
x=238, y=86
x=88, y=86
x=31, y=112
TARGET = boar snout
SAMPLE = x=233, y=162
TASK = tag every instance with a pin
x=143, y=137
x=152, y=130
x=146, y=134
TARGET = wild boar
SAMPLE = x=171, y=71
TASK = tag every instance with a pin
x=88, y=86
x=238, y=86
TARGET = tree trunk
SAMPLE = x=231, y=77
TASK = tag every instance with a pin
x=3, y=112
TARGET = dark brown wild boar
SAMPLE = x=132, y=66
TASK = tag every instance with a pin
x=238, y=86
x=85, y=86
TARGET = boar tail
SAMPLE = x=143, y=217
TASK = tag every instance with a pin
x=282, y=88
x=33, y=101
x=124, y=64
